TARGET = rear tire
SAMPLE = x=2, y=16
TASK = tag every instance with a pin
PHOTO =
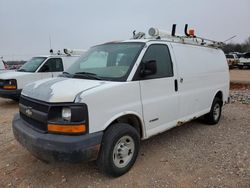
x=213, y=117
x=119, y=149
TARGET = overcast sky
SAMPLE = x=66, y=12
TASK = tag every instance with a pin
x=25, y=25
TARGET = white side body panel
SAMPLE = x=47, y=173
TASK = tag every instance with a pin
x=202, y=73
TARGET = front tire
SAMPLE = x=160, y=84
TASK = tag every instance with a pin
x=119, y=150
x=213, y=117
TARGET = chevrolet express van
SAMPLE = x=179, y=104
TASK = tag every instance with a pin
x=118, y=94
x=37, y=68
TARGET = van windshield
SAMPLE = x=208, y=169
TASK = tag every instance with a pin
x=111, y=61
x=32, y=65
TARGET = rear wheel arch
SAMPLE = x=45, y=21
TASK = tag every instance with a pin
x=219, y=95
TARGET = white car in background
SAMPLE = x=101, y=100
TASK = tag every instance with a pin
x=232, y=60
x=244, y=61
x=41, y=67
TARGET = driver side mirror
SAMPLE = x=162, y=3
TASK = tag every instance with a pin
x=148, y=68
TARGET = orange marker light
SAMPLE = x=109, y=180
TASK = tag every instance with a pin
x=191, y=32
x=67, y=128
x=9, y=87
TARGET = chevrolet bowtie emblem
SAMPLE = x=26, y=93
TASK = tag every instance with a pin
x=28, y=111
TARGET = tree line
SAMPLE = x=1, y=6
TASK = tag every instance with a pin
x=237, y=47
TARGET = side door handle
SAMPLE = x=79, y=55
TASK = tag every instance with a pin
x=176, y=85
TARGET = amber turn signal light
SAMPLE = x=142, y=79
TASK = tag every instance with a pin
x=67, y=128
x=9, y=87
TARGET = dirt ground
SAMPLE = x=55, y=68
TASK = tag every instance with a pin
x=240, y=76
x=192, y=155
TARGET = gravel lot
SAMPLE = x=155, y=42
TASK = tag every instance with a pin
x=192, y=155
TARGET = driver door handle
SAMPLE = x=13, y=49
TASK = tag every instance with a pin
x=176, y=85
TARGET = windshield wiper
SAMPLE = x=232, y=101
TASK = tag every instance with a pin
x=66, y=74
x=88, y=75
x=21, y=70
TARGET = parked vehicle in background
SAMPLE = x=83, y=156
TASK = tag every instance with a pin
x=37, y=68
x=119, y=93
x=232, y=60
x=244, y=61
x=2, y=65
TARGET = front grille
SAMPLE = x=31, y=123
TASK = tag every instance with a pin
x=31, y=119
x=35, y=104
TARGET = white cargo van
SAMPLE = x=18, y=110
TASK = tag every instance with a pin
x=119, y=93
x=37, y=68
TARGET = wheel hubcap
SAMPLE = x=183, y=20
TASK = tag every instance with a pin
x=123, y=151
x=216, y=112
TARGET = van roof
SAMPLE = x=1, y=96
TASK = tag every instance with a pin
x=188, y=41
x=55, y=55
x=155, y=34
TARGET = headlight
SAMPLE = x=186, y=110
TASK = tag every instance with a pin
x=9, y=84
x=66, y=113
x=68, y=119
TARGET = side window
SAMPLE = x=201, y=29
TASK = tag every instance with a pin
x=159, y=53
x=52, y=65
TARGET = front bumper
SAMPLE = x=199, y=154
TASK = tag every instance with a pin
x=54, y=147
x=10, y=94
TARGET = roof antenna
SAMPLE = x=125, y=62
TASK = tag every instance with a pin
x=173, y=30
x=230, y=38
x=50, y=46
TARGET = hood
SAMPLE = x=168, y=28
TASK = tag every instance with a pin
x=6, y=70
x=13, y=74
x=59, y=89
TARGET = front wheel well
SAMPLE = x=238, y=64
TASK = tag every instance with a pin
x=132, y=120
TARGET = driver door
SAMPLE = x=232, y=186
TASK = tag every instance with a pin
x=159, y=92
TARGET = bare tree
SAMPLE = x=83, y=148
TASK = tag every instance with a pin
x=237, y=47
